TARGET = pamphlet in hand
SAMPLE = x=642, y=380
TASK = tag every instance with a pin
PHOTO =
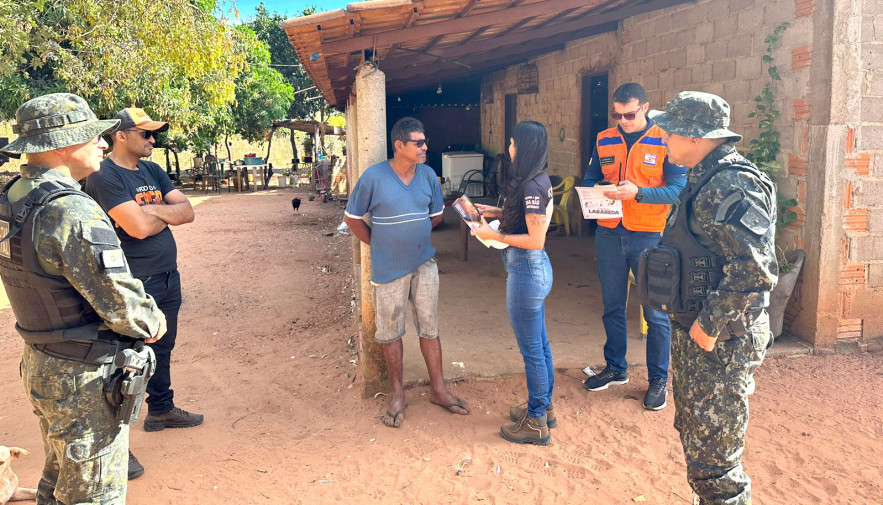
x=597, y=206
x=469, y=212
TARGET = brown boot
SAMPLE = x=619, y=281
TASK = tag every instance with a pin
x=527, y=430
x=516, y=413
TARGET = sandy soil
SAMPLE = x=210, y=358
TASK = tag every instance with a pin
x=265, y=352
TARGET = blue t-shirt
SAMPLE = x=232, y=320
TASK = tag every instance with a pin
x=400, y=218
x=113, y=185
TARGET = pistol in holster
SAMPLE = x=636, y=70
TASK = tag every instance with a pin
x=125, y=388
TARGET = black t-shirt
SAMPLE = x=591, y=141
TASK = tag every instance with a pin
x=113, y=185
x=537, y=197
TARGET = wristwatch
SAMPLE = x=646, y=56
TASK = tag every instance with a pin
x=639, y=195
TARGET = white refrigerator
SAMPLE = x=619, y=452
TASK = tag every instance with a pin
x=455, y=164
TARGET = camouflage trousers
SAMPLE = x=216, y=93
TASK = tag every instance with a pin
x=86, y=447
x=711, y=391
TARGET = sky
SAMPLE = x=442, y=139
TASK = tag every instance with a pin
x=289, y=8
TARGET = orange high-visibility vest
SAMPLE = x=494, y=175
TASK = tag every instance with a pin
x=643, y=166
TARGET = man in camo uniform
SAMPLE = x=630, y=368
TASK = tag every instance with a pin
x=75, y=302
x=720, y=236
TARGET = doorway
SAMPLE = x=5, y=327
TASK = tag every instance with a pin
x=593, y=115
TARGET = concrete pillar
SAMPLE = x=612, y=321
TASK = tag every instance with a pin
x=835, y=102
x=369, y=149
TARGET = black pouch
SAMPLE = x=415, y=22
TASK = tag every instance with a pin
x=659, y=278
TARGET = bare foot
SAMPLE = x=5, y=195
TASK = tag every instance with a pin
x=450, y=402
x=395, y=415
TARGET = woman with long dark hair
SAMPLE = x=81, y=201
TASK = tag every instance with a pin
x=525, y=216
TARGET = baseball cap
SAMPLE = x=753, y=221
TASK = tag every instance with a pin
x=135, y=117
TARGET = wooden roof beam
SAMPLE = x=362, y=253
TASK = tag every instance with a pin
x=480, y=60
x=457, y=25
x=585, y=21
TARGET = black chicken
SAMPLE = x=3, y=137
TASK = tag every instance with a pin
x=295, y=204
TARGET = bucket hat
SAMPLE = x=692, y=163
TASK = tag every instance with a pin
x=698, y=115
x=54, y=121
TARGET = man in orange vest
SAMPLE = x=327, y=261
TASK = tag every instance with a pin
x=631, y=158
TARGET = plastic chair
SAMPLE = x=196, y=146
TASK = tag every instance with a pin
x=560, y=215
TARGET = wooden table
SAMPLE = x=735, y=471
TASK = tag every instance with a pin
x=258, y=176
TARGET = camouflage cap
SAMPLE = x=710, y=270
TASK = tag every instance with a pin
x=696, y=114
x=54, y=121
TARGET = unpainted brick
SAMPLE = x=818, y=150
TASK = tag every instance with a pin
x=677, y=58
x=866, y=248
x=803, y=8
x=801, y=57
x=750, y=21
x=723, y=70
x=875, y=276
x=738, y=5
x=716, y=50
x=875, y=221
x=704, y=33
x=702, y=73
x=801, y=109
x=872, y=109
x=872, y=55
x=871, y=138
x=696, y=54
x=867, y=28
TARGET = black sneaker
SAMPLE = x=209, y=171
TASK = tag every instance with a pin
x=135, y=468
x=606, y=378
x=655, y=399
x=175, y=418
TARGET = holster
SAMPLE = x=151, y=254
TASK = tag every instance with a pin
x=126, y=383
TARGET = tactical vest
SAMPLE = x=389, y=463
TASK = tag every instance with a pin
x=675, y=276
x=48, y=309
x=642, y=165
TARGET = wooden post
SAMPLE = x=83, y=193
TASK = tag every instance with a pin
x=370, y=115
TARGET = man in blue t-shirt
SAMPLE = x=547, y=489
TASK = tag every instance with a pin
x=142, y=202
x=405, y=202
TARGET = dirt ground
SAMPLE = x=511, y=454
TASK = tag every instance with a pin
x=265, y=351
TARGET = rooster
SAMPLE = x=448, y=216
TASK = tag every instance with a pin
x=295, y=204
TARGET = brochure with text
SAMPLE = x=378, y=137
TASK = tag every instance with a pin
x=472, y=217
x=597, y=206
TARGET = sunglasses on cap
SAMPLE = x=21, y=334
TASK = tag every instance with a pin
x=419, y=142
x=145, y=134
x=628, y=116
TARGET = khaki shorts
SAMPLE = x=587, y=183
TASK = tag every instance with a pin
x=419, y=289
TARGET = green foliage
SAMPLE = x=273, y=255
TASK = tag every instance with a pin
x=285, y=60
x=765, y=149
x=175, y=58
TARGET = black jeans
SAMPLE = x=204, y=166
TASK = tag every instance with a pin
x=165, y=288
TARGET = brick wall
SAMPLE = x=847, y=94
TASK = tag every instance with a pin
x=864, y=175
x=717, y=46
x=556, y=105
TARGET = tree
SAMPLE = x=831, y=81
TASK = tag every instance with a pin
x=284, y=58
x=175, y=58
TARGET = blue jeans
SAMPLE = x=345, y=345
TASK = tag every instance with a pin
x=528, y=284
x=165, y=288
x=618, y=251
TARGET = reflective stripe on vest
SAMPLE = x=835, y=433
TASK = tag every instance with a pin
x=642, y=165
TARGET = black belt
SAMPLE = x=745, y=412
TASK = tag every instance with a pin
x=96, y=352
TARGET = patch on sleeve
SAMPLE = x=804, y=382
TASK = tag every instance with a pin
x=101, y=235
x=756, y=220
x=112, y=259
x=607, y=160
